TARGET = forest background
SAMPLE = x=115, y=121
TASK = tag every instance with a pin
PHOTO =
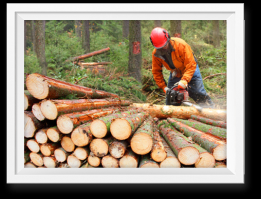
x=50, y=45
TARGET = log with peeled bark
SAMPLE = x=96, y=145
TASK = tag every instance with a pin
x=182, y=112
x=81, y=152
x=36, y=158
x=171, y=161
x=41, y=136
x=93, y=160
x=123, y=128
x=31, y=124
x=142, y=140
x=129, y=160
x=186, y=153
x=158, y=152
x=100, y=146
x=54, y=134
x=147, y=162
x=48, y=149
x=81, y=135
x=67, y=144
x=100, y=127
x=67, y=122
x=29, y=100
x=209, y=121
x=42, y=87
x=109, y=162
x=61, y=155
x=216, y=131
x=51, y=109
x=33, y=145
x=36, y=110
x=50, y=162
x=212, y=144
x=117, y=148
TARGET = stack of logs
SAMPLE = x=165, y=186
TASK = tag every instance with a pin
x=100, y=130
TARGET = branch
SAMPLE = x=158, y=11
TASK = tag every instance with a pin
x=214, y=75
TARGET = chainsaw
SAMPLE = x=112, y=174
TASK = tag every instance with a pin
x=177, y=97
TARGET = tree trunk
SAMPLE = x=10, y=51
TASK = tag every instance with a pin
x=158, y=152
x=216, y=131
x=86, y=36
x=81, y=136
x=209, y=121
x=67, y=122
x=185, y=151
x=54, y=134
x=33, y=145
x=33, y=35
x=171, y=161
x=146, y=162
x=216, y=39
x=134, y=66
x=36, y=109
x=29, y=100
x=31, y=124
x=129, y=160
x=50, y=162
x=78, y=26
x=100, y=127
x=40, y=44
x=94, y=160
x=212, y=144
x=81, y=152
x=157, y=23
x=61, y=155
x=51, y=109
x=142, y=140
x=42, y=87
x=25, y=36
x=67, y=144
x=100, y=147
x=123, y=128
x=48, y=149
x=125, y=29
x=175, y=28
x=117, y=148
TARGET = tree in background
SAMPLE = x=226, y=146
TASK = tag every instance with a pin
x=78, y=28
x=86, y=35
x=40, y=44
x=134, y=65
x=125, y=29
x=216, y=39
x=175, y=28
x=157, y=23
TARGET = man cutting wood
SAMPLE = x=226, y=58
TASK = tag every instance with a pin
x=177, y=57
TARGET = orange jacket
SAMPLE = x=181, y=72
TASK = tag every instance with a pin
x=182, y=58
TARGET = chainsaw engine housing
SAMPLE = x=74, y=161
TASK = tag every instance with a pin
x=175, y=97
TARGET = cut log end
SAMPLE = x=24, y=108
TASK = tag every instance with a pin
x=99, y=147
x=98, y=128
x=117, y=149
x=170, y=162
x=220, y=152
x=37, y=86
x=49, y=162
x=188, y=155
x=141, y=143
x=64, y=124
x=109, y=162
x=158, y=155
x=60, y=155
x=80, y=153
x=29, y=127
x=120, y=129
x=49, y=109
x=26, y=103
x=33, y=145
x=128, y=162
x=67, y=144
x=41, y=136
x=37, y=112
x=80, y=137
x=206, y=160
x=53, y=134
x=94, y=160
x=73, y=162
x=36, y=159
x=150, y=165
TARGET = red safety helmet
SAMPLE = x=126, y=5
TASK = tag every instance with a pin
x=159, y=37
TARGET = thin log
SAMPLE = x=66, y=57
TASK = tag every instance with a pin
x=51, y=109
x=158, y=152
x=48, y=149
x=73, y=161
x=31, y=124
x=100, y=147
x=42, y=87
x=90, y=54
x=142, y=140
x=67, y=122
x=41, y=136
x=93, y=160
x=36, y=158
x=147, y=162
x=33, y=145
x=50, y=162
x=214, y=75
x=117, y=148
x=54, y=134
x=209, y=121
x=129, y=160
x=123, y=128
x=29, y=100
x=109, y=162
x=82, y=136
x=81, y=152
x=212, y=144
x=67, y=144
x=36, y=110
x=95, y=63
x=61, y=155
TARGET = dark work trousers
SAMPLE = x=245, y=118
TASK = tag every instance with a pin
x=196, y=89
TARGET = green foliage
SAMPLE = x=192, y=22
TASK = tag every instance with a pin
x=31, y=64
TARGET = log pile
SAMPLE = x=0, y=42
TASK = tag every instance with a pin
x=101, y=130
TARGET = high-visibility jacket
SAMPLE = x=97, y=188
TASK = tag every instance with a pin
x=182, y=58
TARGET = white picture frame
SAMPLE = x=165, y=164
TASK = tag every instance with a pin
x=233, y=13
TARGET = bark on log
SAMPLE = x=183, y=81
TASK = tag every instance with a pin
x=36, y=158
x=90, y=54
x=216, y=131
x=109, y=162
x=129, y=160
x=67, y=122
x=51, y=109
x=67, y=144
x=50, y=162
x=81, y=152
x=61, y=155
x=100, y=147
x=54, y=134
x=100, y=127
x=82, y=136
x=123, y=128
x=33, y=145
x=29, y=100
x=42, y=87
x=142, y=140
x=185, y=151
x=48, y=149
x=31, y=124
x=171, y=161
x=117, y=148
x=158, y=152
x=36, y=110
x=213, y=145
x=209, y=121
x=41, y=136
x=93, y=160
x=147, y=162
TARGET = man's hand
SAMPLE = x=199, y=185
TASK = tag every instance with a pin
x=182, y=84
x=165, y=89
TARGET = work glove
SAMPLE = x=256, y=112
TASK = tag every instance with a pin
x=165, y=89
x=182, y=84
